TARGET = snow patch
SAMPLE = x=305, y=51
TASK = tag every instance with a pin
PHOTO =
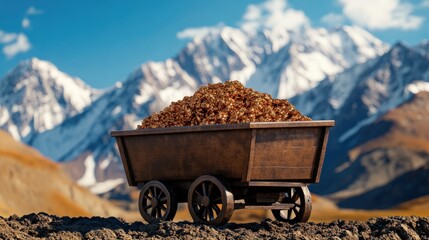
x=25, y=131
x=4, y=116
x=356, y=128
x=88, y=177
x=106, y=186
x=418, y=86
x=116, y=111
x=140, y=99
x=105, y=163
x=171, y=94
x=118, y=84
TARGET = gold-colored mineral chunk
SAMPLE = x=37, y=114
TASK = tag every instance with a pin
x=224, y=103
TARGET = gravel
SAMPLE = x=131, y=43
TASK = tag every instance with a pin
x=41, y=225
x=224, y=103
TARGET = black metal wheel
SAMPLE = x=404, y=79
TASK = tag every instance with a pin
x=300, y=197
x=209, y=201
x=157, y=202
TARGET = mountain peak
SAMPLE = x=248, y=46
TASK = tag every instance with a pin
x=400, y=45
x=400, y=52
x=35, y=96
x=36, y=64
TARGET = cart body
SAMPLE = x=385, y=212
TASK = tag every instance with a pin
x=248, y=152
x=254, y=159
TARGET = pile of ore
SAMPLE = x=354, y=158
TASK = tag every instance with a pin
x=224, y=103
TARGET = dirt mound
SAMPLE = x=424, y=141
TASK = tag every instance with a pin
x=29, y=183
x=52, y=227
x=223, y=103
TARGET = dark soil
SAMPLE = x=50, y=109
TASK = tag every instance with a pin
x=42, y=225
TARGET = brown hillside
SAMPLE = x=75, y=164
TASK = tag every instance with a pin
x=31, y=183
x=389, y=163
x=410, y=128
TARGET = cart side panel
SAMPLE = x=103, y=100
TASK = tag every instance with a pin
x=125, y=161
x=186, y=156
x=322, y=156
x=288, y=154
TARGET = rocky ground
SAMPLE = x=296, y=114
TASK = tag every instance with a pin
x=35, y=226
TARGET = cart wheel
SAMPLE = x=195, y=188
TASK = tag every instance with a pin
x=209, y=201
x=300, y=212
x=157, y=202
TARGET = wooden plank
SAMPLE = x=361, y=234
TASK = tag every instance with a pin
x=186, y=156
x=321, y=154
x=184, y=129
x=276, y=206
x=222, y=127
x=275, y=184
x=282, y=173
x=286, y=153
x=323, y=123
x=125, y=161
x=248, y=174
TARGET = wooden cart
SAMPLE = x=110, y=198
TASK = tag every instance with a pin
x=217, y=169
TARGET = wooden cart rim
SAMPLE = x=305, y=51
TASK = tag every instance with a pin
x=221, y=127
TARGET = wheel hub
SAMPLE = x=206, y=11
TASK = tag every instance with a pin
x=154, y=202
x=205, y=201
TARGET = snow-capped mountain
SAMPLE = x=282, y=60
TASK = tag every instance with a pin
x=280, y=62
x=311, y=55
x=357, y=98
x=87, y=134
x=36, y=96
x=283, y=63
x=362, y=93
x=229, y=54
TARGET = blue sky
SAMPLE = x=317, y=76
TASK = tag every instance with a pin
x=103, y=41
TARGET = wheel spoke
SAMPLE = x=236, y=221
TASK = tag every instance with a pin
x=289, y=213
x=163, y=207
x=216, y=200
x=198, y=193
x=295, y=196
x=154, y=192
x=159, y=213
x=153, y=212
x=164, y=199
x=160, y=193
x=197, y=199
x=204, y=189
x=200, y=210
x=204, y=213
x=210, y=210
x=147, y=207
x=210, y=189
x=295, y=211
x=216, y=208
x=146, y=195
